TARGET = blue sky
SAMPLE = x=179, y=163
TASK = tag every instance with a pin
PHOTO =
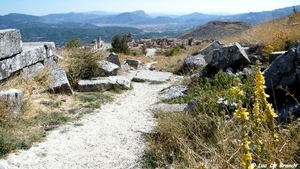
x=44, y=7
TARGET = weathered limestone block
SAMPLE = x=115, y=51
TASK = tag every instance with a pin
x=11, y=100
x=231, y=55
x=48, y=46
x=194, y=62
x=152, y=76
x=10, y=43
x=103, y=83
x=32, y=53
x=150, y=52
x=59, y=81
x=32, y=70
x=174, y=92
x=114, y=58
x=109, y=68
x=208, y=50
x=283, y=71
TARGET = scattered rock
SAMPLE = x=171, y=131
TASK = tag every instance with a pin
x=59, y=81
x=192, y=105
x=175, y=92
x=150, y=52
x=11, y=100
x=152, y=76
x=114, y=58
x=109, y=68
x=103, y=84
x=133, y=63
x=194, y=62
x=169, y=107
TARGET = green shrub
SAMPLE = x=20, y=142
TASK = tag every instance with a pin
x=174, y=51
x=73, y=43
x=83, y=65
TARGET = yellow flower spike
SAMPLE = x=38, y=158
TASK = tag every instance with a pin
x=234, y=90
x=241, y=113
x=246, y=145
x=271, y=110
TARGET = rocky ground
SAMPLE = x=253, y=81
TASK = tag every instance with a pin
x=111, y=137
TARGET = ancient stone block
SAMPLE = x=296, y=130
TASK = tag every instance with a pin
x=10, y=43
x=114, y=58
x=59, y=81
x=11, y=101
x=103, y=84
x=152, y=76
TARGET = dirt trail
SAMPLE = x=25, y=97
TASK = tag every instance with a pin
x=109, y=138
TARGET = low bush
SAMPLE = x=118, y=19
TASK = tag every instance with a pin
x=82, y=64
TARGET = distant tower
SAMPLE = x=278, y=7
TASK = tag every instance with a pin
x=99, y=42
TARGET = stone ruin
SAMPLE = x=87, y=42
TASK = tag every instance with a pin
x=30, y=58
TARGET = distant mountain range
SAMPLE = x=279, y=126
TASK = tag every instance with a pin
x=144, y=25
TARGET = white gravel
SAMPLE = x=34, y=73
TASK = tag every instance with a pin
x=109, y=138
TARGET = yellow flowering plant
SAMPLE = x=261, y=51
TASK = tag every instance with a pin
x=254, y=124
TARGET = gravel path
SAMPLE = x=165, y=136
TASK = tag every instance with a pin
x=110, y=138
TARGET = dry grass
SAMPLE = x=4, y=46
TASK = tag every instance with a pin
x=272, y=32
x=35, y=119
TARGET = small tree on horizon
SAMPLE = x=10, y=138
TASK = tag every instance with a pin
x=119, y=44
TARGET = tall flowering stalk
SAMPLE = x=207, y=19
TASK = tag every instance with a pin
x=242, y=114
x=260, y=121
x=261, y=104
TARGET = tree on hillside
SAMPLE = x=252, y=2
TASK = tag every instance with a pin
x=119, y=44
x=72, y=43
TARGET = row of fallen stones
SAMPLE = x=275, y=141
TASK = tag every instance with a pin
x=29, y=58
x=112, y=68
x=283, y=71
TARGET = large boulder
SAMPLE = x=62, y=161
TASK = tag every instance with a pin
x=10, y=43
x=207, y=52
x=103, y=83
x=284, y=70
x=114, y=58
x=274, y=55
x=11, y=101
x=109, y=68
x=59, y=81
x=230, y=55
x=152, y=76
x=282, y=83
x=194, y=62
